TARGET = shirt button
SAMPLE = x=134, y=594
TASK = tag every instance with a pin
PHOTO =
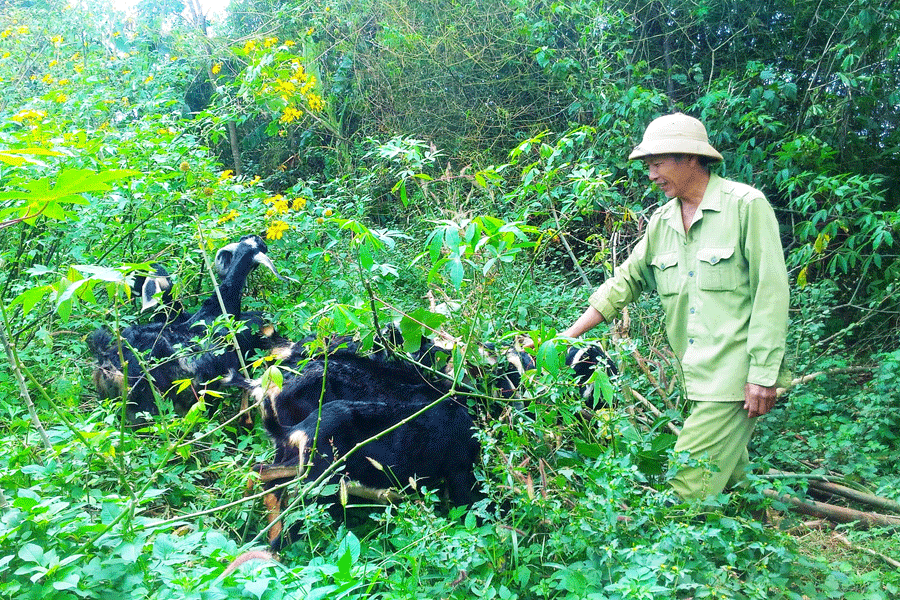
x=691, y=341
x=691, y=274
x=693, y=310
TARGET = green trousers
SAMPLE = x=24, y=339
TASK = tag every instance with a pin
x=716, y=434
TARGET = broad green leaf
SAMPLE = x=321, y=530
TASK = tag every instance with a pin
x=30, y=297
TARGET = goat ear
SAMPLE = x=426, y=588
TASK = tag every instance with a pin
x=224, y=257
x=150, y=291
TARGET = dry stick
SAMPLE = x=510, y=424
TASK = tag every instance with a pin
x=16, y=367
x=842, y=539
x=653, y=409
x=835, y=513
x=855, y=495
x=562, y=238
x=807, y=378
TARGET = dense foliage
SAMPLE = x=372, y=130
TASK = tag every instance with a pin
x=472, y=152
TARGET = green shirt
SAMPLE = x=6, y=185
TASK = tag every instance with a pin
x=724, y=288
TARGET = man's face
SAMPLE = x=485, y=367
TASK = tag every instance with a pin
x=670, y=173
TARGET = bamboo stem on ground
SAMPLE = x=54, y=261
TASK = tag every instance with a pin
x=824, y=484
x=835, y=513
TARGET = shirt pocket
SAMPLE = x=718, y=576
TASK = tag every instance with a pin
x=665, y=271
x=719, y=269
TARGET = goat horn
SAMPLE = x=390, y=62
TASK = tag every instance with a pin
x=264, y=260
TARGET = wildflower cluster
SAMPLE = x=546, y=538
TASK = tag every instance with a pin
x=28, y=115
x=281, y=80
x=18, y=30
x=279, y=206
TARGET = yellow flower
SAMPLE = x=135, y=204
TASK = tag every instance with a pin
x=308, y=85
x=298, y=204
x=53, y=63
x=269, y=42
x=56, y=40
x=216, y=68
x=185, y=166
x=290, y=115
x=280, y=206
x=229, y=216
x=60, y=98
x=63, y=81
x=22, y=30
x=48, y=79
x=6, y=55
x=227, y=174
x=315, y=102
x=149, y=79
x=310, y=31
x=290, y=43
x=249, y=46
x=276, y=230
x=285, y=87
x=271, y=199
x=300, y=73
x=28, y=115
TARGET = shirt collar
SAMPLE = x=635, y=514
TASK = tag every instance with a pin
x=712, y=200
x=712, y=197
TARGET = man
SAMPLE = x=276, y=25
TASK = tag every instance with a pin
x=714, y=255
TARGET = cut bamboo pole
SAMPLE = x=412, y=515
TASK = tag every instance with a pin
x=831, y=512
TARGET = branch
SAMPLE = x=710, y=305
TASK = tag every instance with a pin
x=562, y=238
x=842, y=539
x=16, y=367
x=823, y=483
x=807, y=378
x=658, y=413
x=838, y=514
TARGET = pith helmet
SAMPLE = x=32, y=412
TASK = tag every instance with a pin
x=675, y=134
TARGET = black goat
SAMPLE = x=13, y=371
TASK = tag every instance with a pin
x=585, y=361
x=337, y=402
x=161, y=353
x=155, y=292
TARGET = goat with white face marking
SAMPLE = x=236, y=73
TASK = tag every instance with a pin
x=155, y=292
x=585, y=361
x=160, y=353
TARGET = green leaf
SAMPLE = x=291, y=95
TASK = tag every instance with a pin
x=32, y=553
x=457, y=272
x=30, y=297
x=257, y=587
x=19, y=157
x=548, y=357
